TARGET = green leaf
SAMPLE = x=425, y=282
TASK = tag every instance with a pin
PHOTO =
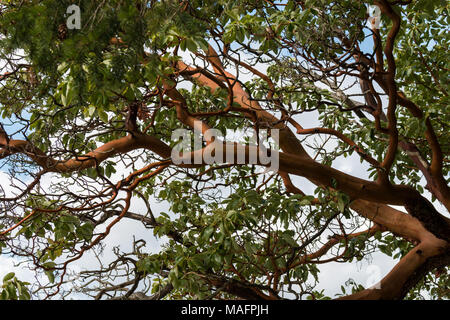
x=91, y=110
x=8, y=277
x=85, y=231
x=341, y=205
x=207, y=233
x=50, y=275
x=191, y=45
x=103, y=116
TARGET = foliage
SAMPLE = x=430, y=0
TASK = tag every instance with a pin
x=14, y=289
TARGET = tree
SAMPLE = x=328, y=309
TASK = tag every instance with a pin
x=87, y=122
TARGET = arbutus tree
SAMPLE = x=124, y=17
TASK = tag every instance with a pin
x=86, y=144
